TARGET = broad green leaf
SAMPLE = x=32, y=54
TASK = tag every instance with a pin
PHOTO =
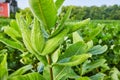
x=74, y=26
x=98, y=76
x=37, y=39
x=89, y=66
x=114, y=73
x=21, y=71
x=76, y=37
x=63, y=72
x=58, y=3
x=3, y=67
x=12, y=44
x=53, y=43
x=12, y=33
x=61, y=25
x=29, y=76
x=45, y=11
x=74, y=60
x=75, y=49
x=98, y=49
x=55, y=55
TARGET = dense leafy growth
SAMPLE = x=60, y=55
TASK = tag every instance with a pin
x=95, y=13
x=48, y=45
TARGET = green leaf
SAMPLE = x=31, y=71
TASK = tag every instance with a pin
x=61, y=25
x=29, y=76
x=98, y=76
x=75, y=49
x=55, y=55
x=37, y=39
x=89, y=44
x=12, y=33
x=3, y=67
x=12, y=44
x=58, y=3
x=89, y=66
x=63, y=72
x=45, y=11
x=74, y=26
x=53, y=43
x=74, y=60
x=21, y=71
x=76, y=37
x=98, y=49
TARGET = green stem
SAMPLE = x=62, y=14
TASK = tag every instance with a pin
x=50, y=69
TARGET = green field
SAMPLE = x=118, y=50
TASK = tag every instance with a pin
x=102, y=66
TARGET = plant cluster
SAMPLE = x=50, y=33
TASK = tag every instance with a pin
x=54, y=48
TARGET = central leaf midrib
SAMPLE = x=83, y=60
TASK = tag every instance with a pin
x=40, y=7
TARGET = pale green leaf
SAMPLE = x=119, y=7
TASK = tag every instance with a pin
x=98, y=49
x=25, y=32
x=55, y=55
x=37, y=39
x=12, y=44
x=75, y=49
x=45, y=11
x=12, y=33
x=74, y=60
x=77, y=37
x=89, y=44
x=3, y=67
x=53, y=43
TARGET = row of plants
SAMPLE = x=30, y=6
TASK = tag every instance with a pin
x=52, y=47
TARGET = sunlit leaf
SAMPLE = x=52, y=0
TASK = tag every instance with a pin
x=3, y=67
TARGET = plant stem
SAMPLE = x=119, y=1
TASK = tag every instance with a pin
x=50, y=69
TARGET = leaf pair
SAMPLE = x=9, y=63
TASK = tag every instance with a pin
x=14, y=33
